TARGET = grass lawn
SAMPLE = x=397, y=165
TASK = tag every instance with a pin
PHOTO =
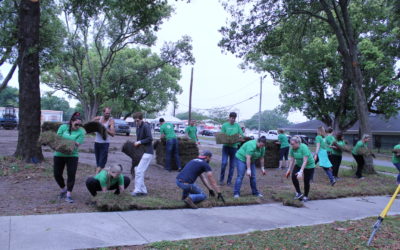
x=337, y=235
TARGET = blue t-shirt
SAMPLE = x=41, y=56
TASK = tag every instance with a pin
x=192, y=170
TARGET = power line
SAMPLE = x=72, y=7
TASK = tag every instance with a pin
x=234, y=92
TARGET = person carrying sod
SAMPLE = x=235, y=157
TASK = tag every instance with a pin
x=172, y=147
x=191, y=131
x=108, y=179
x=186, y=179
x=284, y=148
x=102, y=145
x=246, y=158
x=301, y=166
x=229, y=150
x=71, y=131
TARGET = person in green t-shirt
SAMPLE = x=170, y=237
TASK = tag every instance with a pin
x=321, y=152
x=229, y=150
x=108, y=179
x=329, y=139
x=71, y=131
x=246, y=158
x=172, y=148
x=301, y=166
x=191, y=131
x=396, y=160
x=336, y=155
x=284, y=148
x=361, y=144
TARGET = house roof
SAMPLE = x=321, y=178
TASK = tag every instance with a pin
x=378, y=123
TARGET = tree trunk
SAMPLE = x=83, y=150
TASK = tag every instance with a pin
x=28, y=77
x=90, y=110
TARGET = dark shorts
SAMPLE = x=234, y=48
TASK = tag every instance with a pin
x=283, y=152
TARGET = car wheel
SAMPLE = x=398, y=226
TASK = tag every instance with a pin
x=127, y=134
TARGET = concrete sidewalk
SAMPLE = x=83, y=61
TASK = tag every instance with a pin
x=92, y=230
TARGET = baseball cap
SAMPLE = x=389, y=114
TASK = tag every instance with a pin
x=205, y=153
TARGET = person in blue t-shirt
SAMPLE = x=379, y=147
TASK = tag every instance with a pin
x=187, y=177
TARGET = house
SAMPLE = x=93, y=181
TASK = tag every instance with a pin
x=385, y=133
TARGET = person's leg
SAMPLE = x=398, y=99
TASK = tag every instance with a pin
x=97, y=153
x=168, y=153
x=241, y=170
x=140, y=173
x=176, y=154
x=93, y=186
x=253, y=181
x=281, y=156
x=360, y=163
x=103, y=154
x=58, y=169
x=295, y=181
x=328, y=172
x=336, y=160
x=308, y=173
x=224, y=161
x=397, y=165
x=196, y=194
x=185, y=189
x=232, y=163
x=286, y=155
x=72, y=166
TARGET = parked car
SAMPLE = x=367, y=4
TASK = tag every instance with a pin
x=180, y=129
x=122, y=127
x=207, y=132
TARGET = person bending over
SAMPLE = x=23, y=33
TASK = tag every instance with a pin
x=108, y=179
x=186, y=179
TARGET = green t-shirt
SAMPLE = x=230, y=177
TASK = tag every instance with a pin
x=282, y=138
x=396, y=159
x=329, y=139
x=359, y=145
x=338, y=152
x=167, y=129
x=192, y=132
x=76, y=135
x=108, y=181
x=299, y=153
x=250, y=148
x=322, y=141
x=231, y=129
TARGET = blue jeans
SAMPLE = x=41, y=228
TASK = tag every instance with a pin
x=192, y=190
x=241, y=171
x=172, y=150
x=398, y=168
x=101, y=153
x=329, y=173
x=227, y=152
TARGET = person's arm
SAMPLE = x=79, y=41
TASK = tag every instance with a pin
x=262, y=165
x=212, y=181
x=147, y=137
x=80, y=138
x=317, y=150
x=162, y=133
x=121, y=183
x=205, y=181
x=96, y=119
x=61, y=129
x=111, y=129
x=300, y=173
x=248, y=164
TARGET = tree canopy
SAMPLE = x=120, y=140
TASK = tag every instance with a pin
x=9, y=96
x=195, y=116
x=270, y=120
x=52, y=102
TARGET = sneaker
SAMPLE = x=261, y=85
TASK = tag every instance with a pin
x=305, y=199
x=333, y=182
x=298, y=196
x=236, y=196
x=221, y=183
x=137, y=194
x=229, y=184
x=69, y=199
x=259, y=195
x=190, y=203
x=62, y=194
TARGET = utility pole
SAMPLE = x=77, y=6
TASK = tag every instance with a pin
x=259, y=109
x=190, y=97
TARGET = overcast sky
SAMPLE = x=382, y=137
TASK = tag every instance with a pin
x=218, y=81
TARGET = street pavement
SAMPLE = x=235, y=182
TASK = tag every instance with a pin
x=93, y=230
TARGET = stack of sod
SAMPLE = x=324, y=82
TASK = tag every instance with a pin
x=92, y=127
x=56, y=143
x=188, y=151
x=271, y=158
x=135, y=153
x=51, y=126
x=222, y=138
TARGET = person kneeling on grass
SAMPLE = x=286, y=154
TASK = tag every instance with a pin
x=187, y=177
x=108, y=179
x=301, y=166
